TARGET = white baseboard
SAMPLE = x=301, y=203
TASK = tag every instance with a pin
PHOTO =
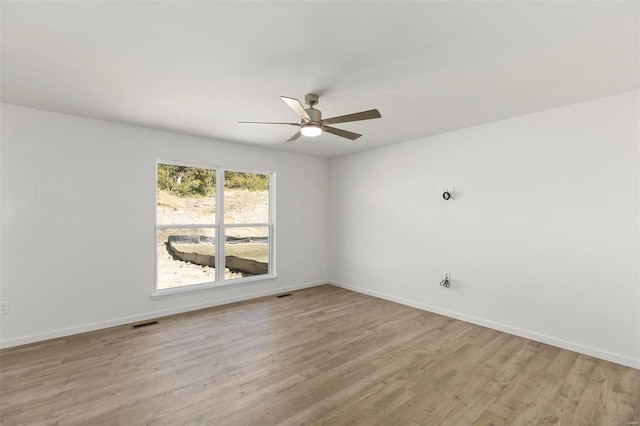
x=17, y=341
x=561, y=343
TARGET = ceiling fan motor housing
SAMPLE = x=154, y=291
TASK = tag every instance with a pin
x=315, y=115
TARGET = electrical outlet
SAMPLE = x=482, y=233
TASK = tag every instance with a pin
x=451, y=190
x=285, y=269
x=446, y=282
x=4, y=307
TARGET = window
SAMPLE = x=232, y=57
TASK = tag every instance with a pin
x=246, y=224
x=214, y=226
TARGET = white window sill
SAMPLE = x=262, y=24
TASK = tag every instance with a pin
x=198, y=288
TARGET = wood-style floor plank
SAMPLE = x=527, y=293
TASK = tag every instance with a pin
x=323, y=356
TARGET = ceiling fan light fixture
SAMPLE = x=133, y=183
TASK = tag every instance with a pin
x=311, y=130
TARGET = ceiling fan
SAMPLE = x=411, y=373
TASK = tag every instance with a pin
x=311, y=121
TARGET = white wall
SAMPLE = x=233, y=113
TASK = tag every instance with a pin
x=78, y=239
x=542, y=238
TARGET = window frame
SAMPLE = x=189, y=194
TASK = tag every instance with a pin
x=219, y=227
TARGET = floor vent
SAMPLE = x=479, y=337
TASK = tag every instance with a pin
x=144, y=324
x=284, y=295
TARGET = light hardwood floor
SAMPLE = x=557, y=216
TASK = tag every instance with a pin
x=323, y=356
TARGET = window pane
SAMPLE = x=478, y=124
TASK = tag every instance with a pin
x=185, y=257
x=185, y=195
x=246, y=252
x=246, y=197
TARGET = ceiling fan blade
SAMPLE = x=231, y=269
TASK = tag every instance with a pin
x=265, y=122
x=364, y=115
x=295, y=105
x=295, y=137
x=340, y=132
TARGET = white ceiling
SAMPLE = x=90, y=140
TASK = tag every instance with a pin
x=200, y=67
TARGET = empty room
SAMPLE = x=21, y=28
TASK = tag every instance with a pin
x=320, y=213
